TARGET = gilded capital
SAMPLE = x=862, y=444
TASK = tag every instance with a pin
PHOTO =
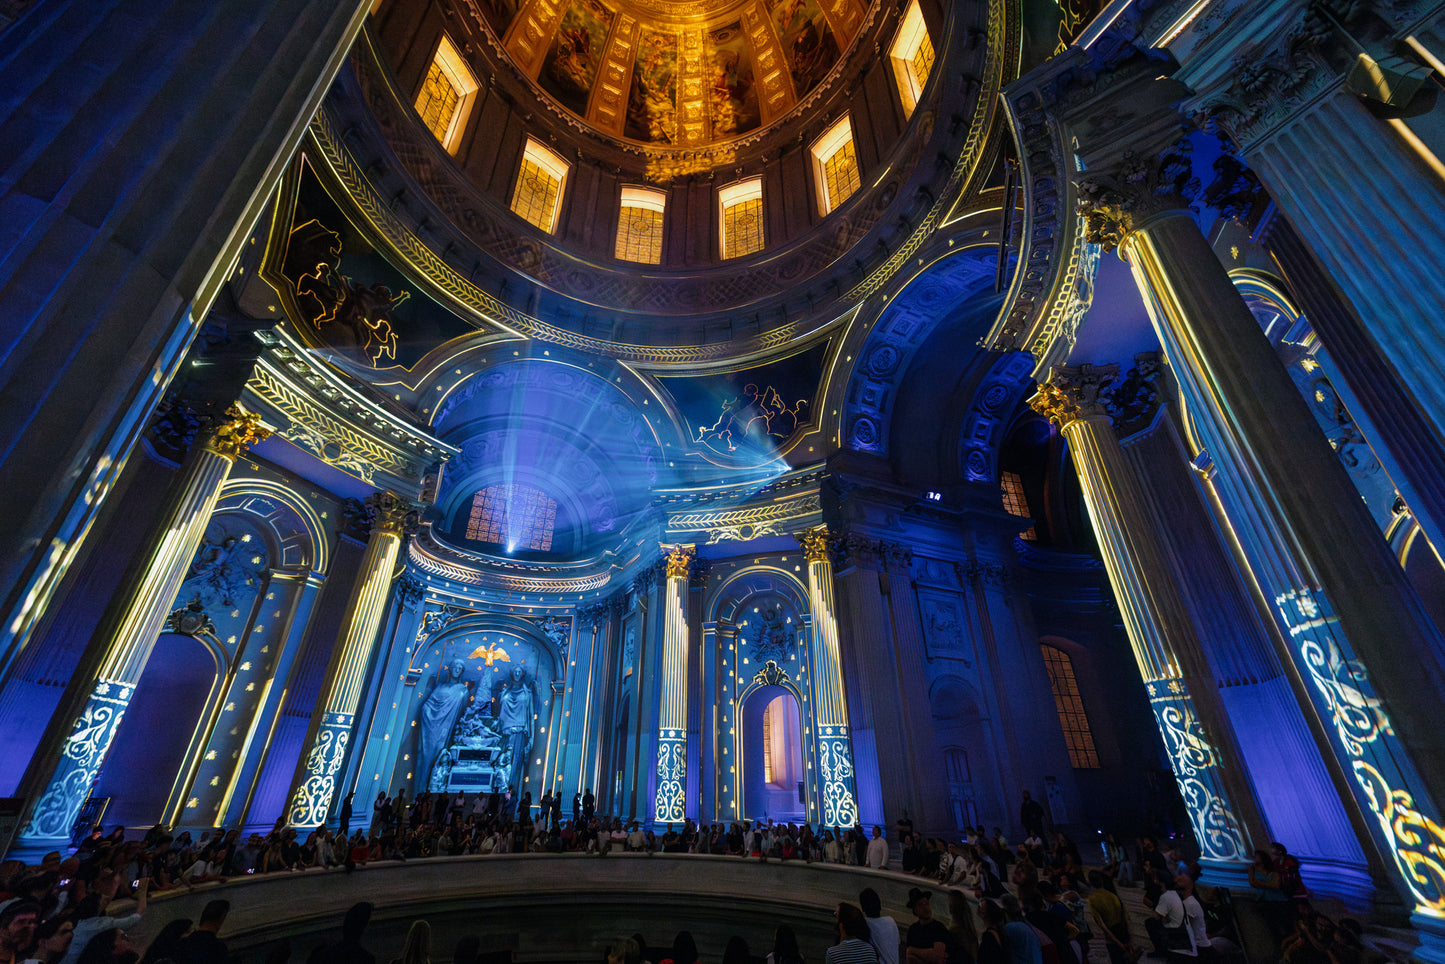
x=815, y=543
x=1075, y=392
x=1113, y=201
x=237, y=432
x=388, y=512
x=679, y=560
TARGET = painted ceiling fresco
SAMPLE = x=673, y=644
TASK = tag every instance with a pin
x=687, y=82
x=350, y=295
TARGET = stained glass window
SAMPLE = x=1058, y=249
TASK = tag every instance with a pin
x=446, y=95
x=835, y=165
x=639, y=226
x=513, y=515
x=539, y=186
x=1015, y=502
x=742, y=218
x=912, y=57
x=1077, y=735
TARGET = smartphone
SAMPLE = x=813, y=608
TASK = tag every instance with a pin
x=135, y=884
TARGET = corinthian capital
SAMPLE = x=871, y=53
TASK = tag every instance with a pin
x=1075, y=392
x=388, y=512
x=679, y=560
x=237, y=431
x=1117, y=199
x=815, y=543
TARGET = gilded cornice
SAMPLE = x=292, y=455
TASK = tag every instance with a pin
x=429, y=556
x=316, y=410
x=740, y=524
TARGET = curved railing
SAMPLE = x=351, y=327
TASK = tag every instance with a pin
x=543, y=907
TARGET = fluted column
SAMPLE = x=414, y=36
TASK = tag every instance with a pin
x=1361, y=183
x=124, y=202
x=838, y=789
x=1370, y=658
x=669, y=805
x=1182, y=692
x=130, y=644
x=312, y=798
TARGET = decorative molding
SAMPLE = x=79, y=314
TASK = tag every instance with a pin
x=1075, y=392
x=428, y=556
x=320, y=413
x=1113, y=203
x=238, y=430
x=747, y=522
x=816, y=544
x=679, y=560
x=771, y=675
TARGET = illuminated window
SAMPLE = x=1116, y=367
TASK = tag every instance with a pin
x=639, y=226
x=835, y=165
x=446, y=96
x=742, y=217
x=912, y=57
x=538, y=194
x=1014, y=501
x=513, y=515
x=1077, y=735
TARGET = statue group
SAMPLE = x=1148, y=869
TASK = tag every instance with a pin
x=475, y=742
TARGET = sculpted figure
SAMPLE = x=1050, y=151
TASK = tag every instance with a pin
x=437, y=717
x=514, y=719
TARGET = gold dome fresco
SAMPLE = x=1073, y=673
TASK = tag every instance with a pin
x=675, y=74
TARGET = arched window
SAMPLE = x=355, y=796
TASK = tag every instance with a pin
x=513, y=515
x=1015, y=502
x=1070, y=704
x=741, y=227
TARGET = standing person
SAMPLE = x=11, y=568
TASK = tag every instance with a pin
x=417, y=949
x=927, y=938
x=348, y=950
x=589, y=805
x=1023, y=944
x=884, y=930
x=1031, y=815
x=1108, y=912
x=877, y=856
x=854, y=945
x=577, y=806
x=343, y=828
x=785, y=947
x=18, y=921
x=203, y=946
x=992, y=944
x=960, y=927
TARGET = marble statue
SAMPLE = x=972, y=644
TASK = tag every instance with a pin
x=437, y=717
x=514, y=719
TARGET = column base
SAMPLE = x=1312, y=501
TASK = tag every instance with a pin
x=33, y=849
x=1432, y=938
x=1233, y=874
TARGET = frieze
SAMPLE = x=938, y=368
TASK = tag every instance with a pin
x=747, y=522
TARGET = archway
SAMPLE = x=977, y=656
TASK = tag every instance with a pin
x=773, y=763
x=160, y=723
x=961, y=727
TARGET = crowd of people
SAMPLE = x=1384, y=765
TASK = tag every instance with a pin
x=1037, y=902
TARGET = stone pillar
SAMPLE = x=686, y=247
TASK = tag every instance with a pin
x=669, y=803
x=1371, y=659
x=1182, y=692
x=125, y=202
x=129, y=646
x=837, y=789
x=1358, y=180
x=311, y=799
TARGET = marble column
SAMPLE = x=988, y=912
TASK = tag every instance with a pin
x=143, y=140
x=669, y=803
x=1358, y=181
x=1370, y=657
x=129, y=645
x=312, y=798
x=1182, y=691
x=837, y=788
